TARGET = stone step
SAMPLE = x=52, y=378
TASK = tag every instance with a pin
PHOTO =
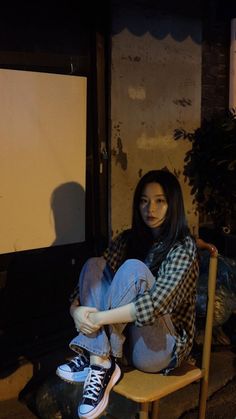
x=12, y=384
x=13, y=409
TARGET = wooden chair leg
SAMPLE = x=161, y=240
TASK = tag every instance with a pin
x=143, y=410
x=155, y=409
x=203, y=399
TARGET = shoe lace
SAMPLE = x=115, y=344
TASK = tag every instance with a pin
x=93, y=384
x=79, y=360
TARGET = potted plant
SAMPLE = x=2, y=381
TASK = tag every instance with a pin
x=210, y=168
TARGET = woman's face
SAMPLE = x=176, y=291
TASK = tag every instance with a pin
x=153, y=205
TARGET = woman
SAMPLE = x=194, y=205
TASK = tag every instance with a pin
x=147, y=279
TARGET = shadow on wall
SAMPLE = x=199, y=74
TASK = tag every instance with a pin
x=34, y=301
x=68, y=207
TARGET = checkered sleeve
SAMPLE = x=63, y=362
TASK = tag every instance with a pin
x=174, y=284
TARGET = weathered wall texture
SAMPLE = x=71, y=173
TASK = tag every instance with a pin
x=155, y=88
x=215, y=67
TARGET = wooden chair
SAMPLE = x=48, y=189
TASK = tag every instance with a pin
x=147, y=389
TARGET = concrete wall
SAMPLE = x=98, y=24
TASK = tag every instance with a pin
x=155, y=88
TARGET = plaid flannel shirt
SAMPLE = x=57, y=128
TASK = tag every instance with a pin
x=174, y=292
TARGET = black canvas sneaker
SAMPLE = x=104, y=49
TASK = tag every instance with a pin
x=97, y=387
x=75, y=370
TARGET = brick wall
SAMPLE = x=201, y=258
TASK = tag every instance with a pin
x=215, y=65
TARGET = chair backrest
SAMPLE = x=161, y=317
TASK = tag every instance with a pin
x=212, y=277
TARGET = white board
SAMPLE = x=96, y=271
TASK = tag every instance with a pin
x=42, y=159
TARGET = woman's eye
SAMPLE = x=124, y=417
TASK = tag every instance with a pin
x=161, y=201
x=143, y=201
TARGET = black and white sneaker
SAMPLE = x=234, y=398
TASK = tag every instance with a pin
x=76, y=370
x=97, y=387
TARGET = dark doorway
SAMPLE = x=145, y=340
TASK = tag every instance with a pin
x=35, y=285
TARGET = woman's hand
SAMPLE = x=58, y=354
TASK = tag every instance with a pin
x=73, y=306
x=82, y=321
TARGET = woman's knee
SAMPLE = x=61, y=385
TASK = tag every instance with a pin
x=137, y=269
x=134, y=263
x=135, y=266
x=96, y=262
x=92, y=271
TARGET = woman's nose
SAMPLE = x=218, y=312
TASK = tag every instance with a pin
x=151, y=206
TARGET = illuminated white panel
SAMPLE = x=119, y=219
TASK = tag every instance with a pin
x=43, y=157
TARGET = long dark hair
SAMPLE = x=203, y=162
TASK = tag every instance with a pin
x=174, y=228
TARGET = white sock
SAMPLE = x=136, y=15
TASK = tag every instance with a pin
x=99, y=360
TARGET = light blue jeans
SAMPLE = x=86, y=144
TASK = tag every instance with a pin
x=151, y=348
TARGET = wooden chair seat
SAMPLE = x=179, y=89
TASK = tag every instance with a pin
x=144, y=387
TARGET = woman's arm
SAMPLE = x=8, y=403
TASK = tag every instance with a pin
x=124, y=314
x=175, y=284
x=89, y=319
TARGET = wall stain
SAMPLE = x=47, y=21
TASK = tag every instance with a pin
x=183, y=102
x=177, y=173
x=140, y=173
x=136, y=58
x=118, y=153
